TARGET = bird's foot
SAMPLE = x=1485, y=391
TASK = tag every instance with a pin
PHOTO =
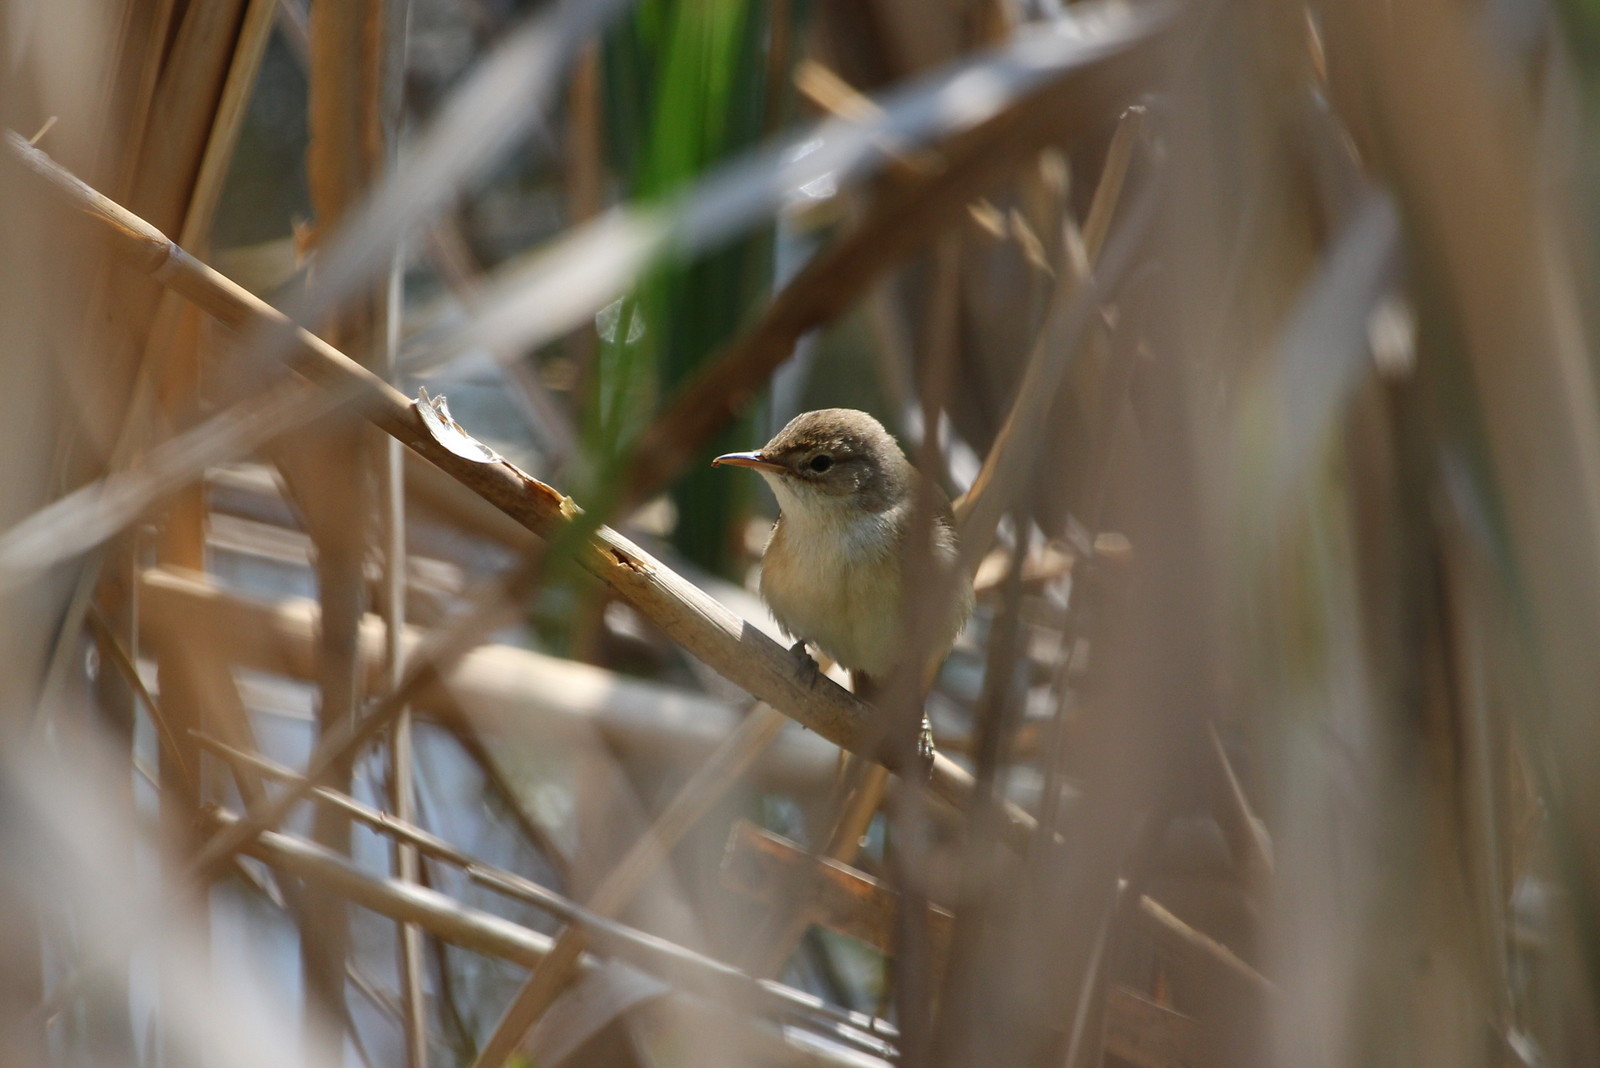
x=809, y=669
x=925, y=749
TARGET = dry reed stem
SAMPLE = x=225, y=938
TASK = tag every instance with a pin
x=619, y=887
x=185, y=141
x=143, y=33
x=835, y=96
x=1210, y=957
x=769, y=868
x=1074, y=304
x=499, y=683
x=904, y=220
x=479, y=931
x=701, y=625
x=1456, y=135
x=857, y=905
x=794, y=912
x=113, y=650
x=172, y=345
x=1083, y=71
x=490, y=607
x=184, y=111
x=683, y=611
x=1149, y=1035
x=333, y=469
x=227, y=120
x=496, y=688
x=666, y=960
x=841, y=898
x=697, y=622
x=1246, y=835
x=1113, y=173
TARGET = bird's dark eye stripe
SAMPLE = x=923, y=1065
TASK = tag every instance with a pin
x=820, y=462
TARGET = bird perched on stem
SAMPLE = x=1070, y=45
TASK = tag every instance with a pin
x=831, y=572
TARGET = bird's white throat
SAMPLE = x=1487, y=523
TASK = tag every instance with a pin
x=834, y=524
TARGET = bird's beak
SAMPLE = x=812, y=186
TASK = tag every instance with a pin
x=747, y=459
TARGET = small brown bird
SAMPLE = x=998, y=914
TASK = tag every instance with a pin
x=831, y=570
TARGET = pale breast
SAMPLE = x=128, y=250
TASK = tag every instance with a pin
x=837, y=585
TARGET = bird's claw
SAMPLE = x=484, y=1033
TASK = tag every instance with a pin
x=809, y=669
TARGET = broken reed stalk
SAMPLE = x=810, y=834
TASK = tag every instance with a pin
x=703, y=626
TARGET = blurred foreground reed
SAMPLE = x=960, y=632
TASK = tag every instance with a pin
x=1255, y=338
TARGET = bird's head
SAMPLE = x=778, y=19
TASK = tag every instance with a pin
x=831, y=457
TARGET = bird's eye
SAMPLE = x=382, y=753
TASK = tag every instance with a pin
x=820, y=462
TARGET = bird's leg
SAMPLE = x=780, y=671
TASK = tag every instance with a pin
x=925, y=748
x=869, y=689
x=809, y=670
